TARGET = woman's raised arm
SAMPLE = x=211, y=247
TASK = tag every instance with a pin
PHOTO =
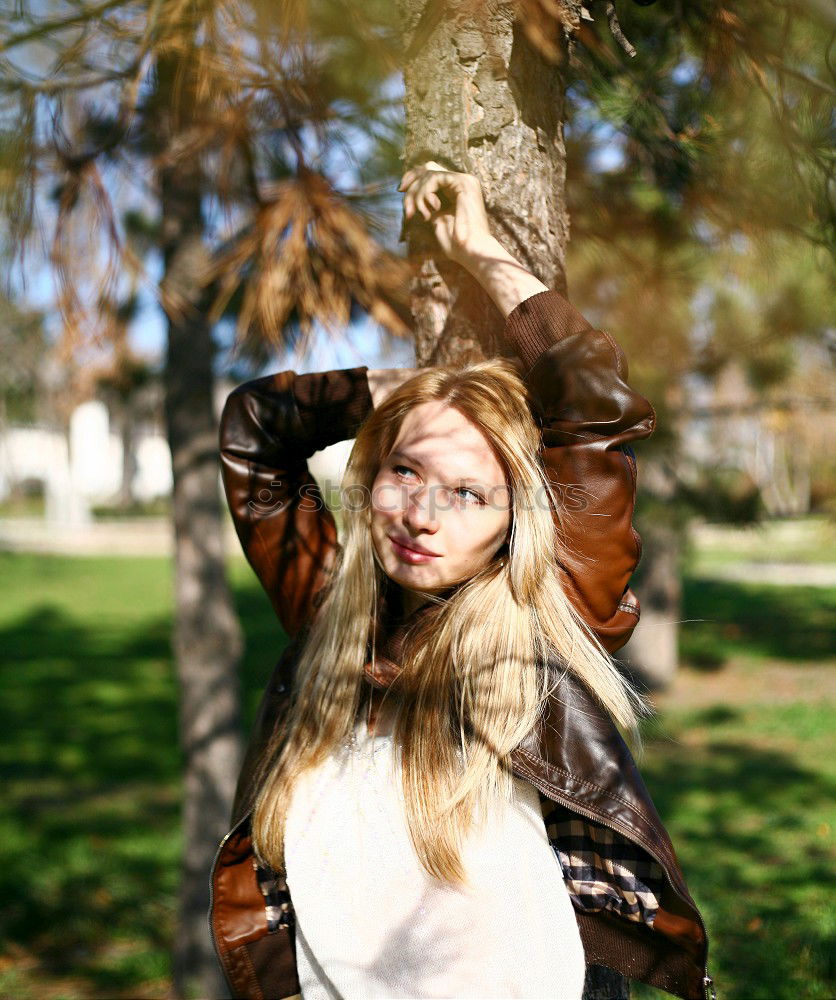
x=590, y=415
x=269, y=428
x=577, y=378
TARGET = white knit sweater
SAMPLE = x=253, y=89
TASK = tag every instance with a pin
x=372, y=923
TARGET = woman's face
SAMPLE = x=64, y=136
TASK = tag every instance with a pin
x=440, y=501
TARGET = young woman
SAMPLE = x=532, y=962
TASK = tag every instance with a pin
x=436, y=801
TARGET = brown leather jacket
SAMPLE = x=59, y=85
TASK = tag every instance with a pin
x=632, y=904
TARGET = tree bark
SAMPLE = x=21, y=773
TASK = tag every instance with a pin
x=480, y=99
x=207, y=639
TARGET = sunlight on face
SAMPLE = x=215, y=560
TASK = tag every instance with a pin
x=440, y=501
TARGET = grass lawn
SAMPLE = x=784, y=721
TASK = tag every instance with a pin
x=740, y=762
x=784, y=540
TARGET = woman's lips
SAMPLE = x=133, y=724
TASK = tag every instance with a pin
x=410, y=555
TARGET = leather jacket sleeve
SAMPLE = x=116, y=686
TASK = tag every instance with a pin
x=576, y=376
x=269, y=427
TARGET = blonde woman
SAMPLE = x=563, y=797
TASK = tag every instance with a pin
x=436, y=801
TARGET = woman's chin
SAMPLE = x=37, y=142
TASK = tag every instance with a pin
x=414, y=577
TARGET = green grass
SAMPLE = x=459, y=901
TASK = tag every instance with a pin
x=748, y=795
x=89, y=819
x=90, y=765
x=724, y=619
x=89, y=823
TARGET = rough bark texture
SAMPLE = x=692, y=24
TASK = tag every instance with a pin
x=207, y=639
x=481, y=100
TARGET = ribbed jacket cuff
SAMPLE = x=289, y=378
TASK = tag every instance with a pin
x=538, y=322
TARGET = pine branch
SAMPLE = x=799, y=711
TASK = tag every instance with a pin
x=49, y=27
x=615, y=28
x=62, y=85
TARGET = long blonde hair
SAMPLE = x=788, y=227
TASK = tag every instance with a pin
x=473, y=682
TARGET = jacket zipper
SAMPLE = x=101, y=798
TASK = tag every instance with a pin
x=707, y=981
x=212, y=890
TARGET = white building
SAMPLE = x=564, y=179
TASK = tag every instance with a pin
x=84, y=468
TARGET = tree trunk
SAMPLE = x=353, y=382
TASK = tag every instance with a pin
x=129, y=459
x=652, y=654
x=479, y=99
x=207, y=638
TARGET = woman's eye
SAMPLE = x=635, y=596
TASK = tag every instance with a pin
x=470, y=495
x=403, y=470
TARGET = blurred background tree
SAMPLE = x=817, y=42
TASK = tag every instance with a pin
x=128, y=383
x=237, y=161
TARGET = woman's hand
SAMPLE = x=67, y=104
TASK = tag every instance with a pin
x=452, y=204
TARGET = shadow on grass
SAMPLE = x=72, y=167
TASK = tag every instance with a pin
x=91, y=769
x=787, y=623
x=746, y=823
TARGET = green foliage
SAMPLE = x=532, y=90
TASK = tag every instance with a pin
x=22, y=346
x=696, y=184
x=719, y=142
x=726, y=109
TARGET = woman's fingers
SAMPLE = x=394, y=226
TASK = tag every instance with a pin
x=427, y=202
x=409, y=204
x=450, y=201
x=418, y=173
x=420, y=196
x=420, y=185
x=409, y=174
x=406, y=179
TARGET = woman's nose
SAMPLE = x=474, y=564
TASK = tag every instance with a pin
x=419, y=514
